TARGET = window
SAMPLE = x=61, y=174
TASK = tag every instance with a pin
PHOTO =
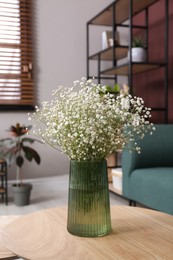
x=16, y=55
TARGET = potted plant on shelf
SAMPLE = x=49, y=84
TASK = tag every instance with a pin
x=15, y=150
x=138, y=52
x=115, y=90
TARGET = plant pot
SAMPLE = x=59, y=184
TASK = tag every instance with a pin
x=22, y=194
x=138, y=54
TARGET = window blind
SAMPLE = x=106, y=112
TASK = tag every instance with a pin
x=16, y=55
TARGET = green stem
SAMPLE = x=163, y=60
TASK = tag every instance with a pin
x=18, y=177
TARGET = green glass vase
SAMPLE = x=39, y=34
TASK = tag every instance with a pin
x=88, y=199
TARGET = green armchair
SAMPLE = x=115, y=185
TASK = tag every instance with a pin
x=148, y=177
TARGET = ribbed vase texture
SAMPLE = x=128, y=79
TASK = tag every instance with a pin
x=88, y=199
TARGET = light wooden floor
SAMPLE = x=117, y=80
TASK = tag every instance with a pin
x=47, y=193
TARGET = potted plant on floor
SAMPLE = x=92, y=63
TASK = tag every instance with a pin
x=138, y=51
x=15, y=150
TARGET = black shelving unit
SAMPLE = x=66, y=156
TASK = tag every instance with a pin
x=114, y=16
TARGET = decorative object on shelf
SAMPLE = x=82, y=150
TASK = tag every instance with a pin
x=138, y=51
x=124, y=90
x=14, y=150
x=107, y=39
x=115, y=90
x=87, y=124
x=88, y=204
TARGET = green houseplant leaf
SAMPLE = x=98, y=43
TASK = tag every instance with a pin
x=138, y=42
x=31, y=154
x=19, y=161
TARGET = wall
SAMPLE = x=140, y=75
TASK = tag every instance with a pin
x=60, y=48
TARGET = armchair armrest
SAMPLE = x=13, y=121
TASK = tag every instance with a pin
x=129, y=163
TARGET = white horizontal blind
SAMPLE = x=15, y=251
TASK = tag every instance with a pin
x=16, y=77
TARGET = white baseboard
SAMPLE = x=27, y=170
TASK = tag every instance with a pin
x=42, y=180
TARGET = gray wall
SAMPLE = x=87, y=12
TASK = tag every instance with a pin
x=61, y=58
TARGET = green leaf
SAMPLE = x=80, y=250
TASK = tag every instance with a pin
x=108, y=88
x=9, y=154
x=30, y=140
x=19, y=160
x=113, y=90
x=116, y=88
x=138, y=42
x=30, y=154
x=27, y=139
x=7, y=143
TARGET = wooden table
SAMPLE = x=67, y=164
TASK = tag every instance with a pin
x=137, y=233
x=5, y=253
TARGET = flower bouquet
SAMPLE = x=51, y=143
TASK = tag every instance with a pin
x=87, y=123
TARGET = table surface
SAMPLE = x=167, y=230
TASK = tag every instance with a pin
x=137, y=233
x=5, y=253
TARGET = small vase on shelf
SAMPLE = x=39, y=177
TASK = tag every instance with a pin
x=88, y=201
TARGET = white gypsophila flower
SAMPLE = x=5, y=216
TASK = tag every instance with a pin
x=87, y=123
x=125, y=103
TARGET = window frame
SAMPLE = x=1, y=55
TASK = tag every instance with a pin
x=25, y=90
